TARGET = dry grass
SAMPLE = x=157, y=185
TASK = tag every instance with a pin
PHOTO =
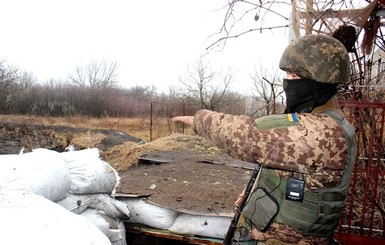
x=137, y=127
x=123, y=156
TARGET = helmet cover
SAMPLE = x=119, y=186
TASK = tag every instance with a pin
x=319, y=57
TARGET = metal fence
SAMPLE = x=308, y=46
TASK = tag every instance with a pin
x=161, y=115
x=364, y=214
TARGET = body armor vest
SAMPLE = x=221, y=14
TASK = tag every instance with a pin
x=318, y=214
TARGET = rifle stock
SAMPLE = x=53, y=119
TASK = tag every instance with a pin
x=233, y=225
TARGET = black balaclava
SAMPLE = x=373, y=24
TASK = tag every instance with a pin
x=305, y=94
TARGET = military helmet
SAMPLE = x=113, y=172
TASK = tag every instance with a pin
x=318, y=57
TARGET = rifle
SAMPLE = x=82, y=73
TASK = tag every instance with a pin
x=233, y=225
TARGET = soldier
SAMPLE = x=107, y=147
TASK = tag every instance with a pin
x=307, y=154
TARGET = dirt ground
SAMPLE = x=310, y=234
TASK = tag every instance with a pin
x=187, y=181
x=181, y=172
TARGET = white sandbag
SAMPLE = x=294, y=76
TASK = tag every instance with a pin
x=75, y=203
x=42, y=172
x=200, y=225
x=105, y=224
x=122, y=229
x=149, y=214
x=72, y=156
x=112, y=207
x=89, y=174
x=27, y=218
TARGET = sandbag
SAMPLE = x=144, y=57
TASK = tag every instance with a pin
x=42, y=172
x=112, y=207
x=27, y=218
x=149, y=214
x=201, y=225
x=89, y=174
x=122, y=229
x=75, y=203
x=105, y=224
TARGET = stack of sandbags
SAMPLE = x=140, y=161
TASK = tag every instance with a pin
x=92, y=183
x=78, y=183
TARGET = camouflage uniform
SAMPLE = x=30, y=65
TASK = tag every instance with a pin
x=313, y=144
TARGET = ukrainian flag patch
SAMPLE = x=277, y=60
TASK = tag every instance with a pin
x=277, y=121
x=292, y=117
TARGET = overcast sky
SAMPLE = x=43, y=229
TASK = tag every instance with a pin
x=152, y=41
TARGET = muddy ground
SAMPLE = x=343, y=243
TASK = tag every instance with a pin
x=182, y=172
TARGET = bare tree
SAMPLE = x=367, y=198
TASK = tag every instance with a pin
x=92, y=85
x=268, y=89
x=24, y=97
x=8, y=85
x=95, y=75
x=242, y=17
x=202, y=85
x=357, y=24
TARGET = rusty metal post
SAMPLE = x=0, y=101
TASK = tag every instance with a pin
x=151, y=111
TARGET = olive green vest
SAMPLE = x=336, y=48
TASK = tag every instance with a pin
x=318, y=214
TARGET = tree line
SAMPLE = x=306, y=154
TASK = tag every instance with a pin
x=93, y=90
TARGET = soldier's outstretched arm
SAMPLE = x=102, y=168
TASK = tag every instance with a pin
x=293, y=142
x=188, y=120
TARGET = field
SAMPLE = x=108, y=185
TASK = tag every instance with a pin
x=121, y=150
x=137, y=127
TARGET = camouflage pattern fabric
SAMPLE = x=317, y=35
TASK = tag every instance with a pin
x=287, y=235
x=319, y=57
x=314, y=144
x=278, y=233
x=310, y=144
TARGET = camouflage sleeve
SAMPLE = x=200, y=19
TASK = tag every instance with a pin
x=307, y=143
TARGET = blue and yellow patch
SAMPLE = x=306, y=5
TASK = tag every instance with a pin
x=292, y=117
x=277, y=121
